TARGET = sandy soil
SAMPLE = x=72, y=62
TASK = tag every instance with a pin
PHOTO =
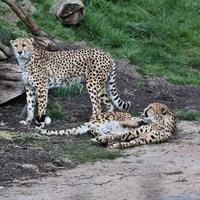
x=168, y=171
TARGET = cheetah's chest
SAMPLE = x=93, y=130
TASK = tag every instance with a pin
x=26, y=78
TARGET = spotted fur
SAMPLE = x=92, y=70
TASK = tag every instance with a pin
x=160, y=127
x=42, y=70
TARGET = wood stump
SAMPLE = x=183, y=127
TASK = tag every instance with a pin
x=69, y=12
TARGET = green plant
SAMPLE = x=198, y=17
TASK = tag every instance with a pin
x=69, y=90
x=79, y=150
x=55, y=110
x=82, y=150
x=187, y=115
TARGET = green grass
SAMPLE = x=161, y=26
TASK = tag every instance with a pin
x=85, y=151
x=187, y=115
x=80, y=150
x=56, y=110
x=9, y=31
x=69, y=90
x=161, y=37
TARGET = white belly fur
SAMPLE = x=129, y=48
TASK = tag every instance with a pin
x=112, y=127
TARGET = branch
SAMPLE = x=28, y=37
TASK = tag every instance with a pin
x=34, y=28
x=41, y=37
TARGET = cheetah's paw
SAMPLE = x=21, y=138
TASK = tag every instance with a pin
x=115, y=146
x=25, y=123
x=102, y=139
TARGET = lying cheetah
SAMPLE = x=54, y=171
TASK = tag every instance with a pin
x=42, y=70
x=160, y=127
x=156, y=125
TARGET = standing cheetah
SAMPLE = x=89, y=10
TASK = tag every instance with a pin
x=42, y=70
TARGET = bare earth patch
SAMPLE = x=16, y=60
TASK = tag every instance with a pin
x=164, y=172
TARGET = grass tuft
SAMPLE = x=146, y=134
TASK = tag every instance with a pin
x=84, y=151
x=55, y=110
x=69, y=90
x=188, y=115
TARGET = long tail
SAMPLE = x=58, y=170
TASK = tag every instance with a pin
x=74, y=131
x=120, y=104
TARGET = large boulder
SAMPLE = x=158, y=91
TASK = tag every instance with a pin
x=11, y=85
x=5, y=52
x=3, y=56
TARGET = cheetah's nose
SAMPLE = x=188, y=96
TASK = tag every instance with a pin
x=19, y=52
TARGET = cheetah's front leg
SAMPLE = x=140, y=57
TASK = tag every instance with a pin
x=30, y=98
x=107, y=138
x=42, y=94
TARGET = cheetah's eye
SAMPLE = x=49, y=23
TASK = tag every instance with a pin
x=23, y=45
x=15, y=45
x=150, y=111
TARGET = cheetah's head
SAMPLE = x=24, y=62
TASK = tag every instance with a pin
x=22, y=47
x=156, y=113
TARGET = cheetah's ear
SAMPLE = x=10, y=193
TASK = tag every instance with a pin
x=11, y=42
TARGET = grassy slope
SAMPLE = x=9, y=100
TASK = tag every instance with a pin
x=162, y=37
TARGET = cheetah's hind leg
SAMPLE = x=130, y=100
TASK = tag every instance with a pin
x=106, y=100
x=142, y=140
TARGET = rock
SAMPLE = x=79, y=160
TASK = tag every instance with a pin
x=11, y=85
x=64, y=162
x=49, y=167
x=5, y=49
x=69, y=12
x=7, y=135
x=30, y=166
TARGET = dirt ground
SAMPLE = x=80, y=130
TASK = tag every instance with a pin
x=166, y=171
